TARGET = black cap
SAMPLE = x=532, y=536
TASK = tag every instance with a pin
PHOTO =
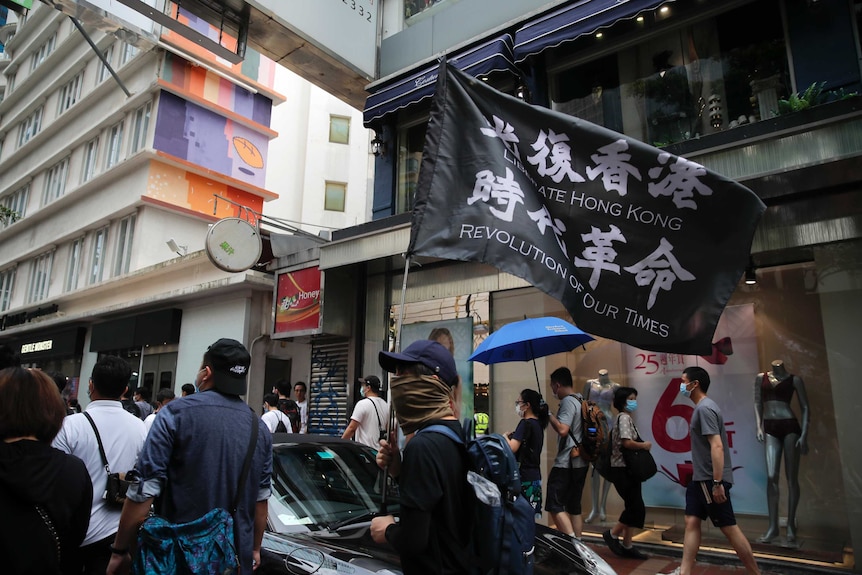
x=229, y=361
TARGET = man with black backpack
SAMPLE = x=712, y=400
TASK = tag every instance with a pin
x=434, y=533
x=272, y=417
x=569, y=473
x=287, y=406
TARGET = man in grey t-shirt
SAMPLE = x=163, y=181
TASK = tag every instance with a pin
x=708, y=494
x=569, y=473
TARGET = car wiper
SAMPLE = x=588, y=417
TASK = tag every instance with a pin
x=352, y=520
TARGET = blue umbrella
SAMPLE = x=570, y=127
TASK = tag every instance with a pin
x=528, y=339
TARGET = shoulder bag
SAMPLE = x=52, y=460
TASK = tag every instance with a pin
x=116, y=487
x=639, y=462
x=203, y=546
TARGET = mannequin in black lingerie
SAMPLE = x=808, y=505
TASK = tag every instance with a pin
x=784, y=436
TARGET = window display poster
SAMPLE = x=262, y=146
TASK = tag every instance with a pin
x=297, y=302
x=461, y=331
x=664, y=414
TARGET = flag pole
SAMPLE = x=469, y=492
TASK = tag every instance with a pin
x=392, y=420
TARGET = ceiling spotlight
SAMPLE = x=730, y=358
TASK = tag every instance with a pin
x=599, y=34
x=640, y=19
x=750, y=275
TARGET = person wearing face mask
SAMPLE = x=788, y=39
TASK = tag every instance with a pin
x=527, y=442
x=370, y=415
x=708, y=494
x=433, y=534
x=625, y=436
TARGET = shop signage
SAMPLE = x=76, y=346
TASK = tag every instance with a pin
x=13, y=319
x=297, y=302
x=37, y=346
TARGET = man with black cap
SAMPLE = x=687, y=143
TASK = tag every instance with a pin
x=433, y=535
x=370, y=418
x=194, y=455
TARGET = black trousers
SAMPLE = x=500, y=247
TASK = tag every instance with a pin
x=95, y=556
x=629, y=489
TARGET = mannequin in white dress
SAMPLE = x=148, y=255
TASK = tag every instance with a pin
x=600, y=390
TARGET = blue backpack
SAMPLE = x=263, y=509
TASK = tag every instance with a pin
x=504, y=525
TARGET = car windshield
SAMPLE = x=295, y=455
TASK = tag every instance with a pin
x=324, y=485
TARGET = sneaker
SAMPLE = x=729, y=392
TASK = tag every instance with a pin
x=613, y=543
x=674, y=572
x=633, y=553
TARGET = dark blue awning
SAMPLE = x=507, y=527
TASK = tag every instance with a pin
x=575, y=20
x=491, y=56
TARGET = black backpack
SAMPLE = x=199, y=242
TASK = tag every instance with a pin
x=281, y=427
x=504, y=523
x=291, y=410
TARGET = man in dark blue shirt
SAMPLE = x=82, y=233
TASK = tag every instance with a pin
x=194, y=455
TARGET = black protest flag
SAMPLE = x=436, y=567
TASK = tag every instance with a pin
x=639, y=245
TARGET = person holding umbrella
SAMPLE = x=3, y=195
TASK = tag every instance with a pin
x=527, y=441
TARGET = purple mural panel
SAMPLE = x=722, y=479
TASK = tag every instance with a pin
x=202, y=137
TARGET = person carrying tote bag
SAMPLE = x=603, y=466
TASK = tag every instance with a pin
x=624, y=437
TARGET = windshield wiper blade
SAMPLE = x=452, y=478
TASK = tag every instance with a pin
x=352, y=520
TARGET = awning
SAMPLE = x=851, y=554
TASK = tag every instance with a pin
x=492, y=56
x=575, y=20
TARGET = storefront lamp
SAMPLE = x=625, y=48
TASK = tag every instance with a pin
x=378, y=146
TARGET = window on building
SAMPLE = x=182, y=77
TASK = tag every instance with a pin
x=30, y=126
x=10, y=84
x=7, y=284
x=17, y=203
x=40, y=277
x=70, y=93
x=76, y=262
x=125, y=236
x=129, y=52
x=411, y=140
x=103, y=70
x=55, y=182
x=115, y=143
x=334, y=196
x=91, y=154
x=42, y=52
x=140, y=126
x=97, y=256
x=339, y=130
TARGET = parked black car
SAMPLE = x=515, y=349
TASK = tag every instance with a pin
x=325, y=492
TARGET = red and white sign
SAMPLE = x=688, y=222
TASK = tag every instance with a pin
x=297, y=302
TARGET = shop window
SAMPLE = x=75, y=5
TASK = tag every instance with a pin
x=74, y=265
x=334, y=197
x=339, y=130
x=411, y=140
x=7, y=284
x=16, y=203
x=40, y=277
x=699, y=79
x=125, y=236
x=55, y=182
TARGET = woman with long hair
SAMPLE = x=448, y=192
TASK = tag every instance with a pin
x=527, y=441
x=45, y=494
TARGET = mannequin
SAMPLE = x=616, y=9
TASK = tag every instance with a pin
x=778, y=426
x=601, y=391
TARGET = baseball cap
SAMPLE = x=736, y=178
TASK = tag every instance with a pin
x=229, y=361
x=429, y=353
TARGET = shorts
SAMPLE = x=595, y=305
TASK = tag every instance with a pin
x=565, y=487
x=699, y=503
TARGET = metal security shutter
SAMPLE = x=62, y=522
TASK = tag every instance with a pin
x=327, y=401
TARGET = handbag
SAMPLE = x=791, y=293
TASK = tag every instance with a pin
x=202, y=546
x=116, y=486
x=639, y=462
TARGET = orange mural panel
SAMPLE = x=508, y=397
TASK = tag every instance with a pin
x=183, y=189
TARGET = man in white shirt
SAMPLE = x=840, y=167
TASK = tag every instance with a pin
x=122, y=436
x=301, y=392
x=163, y=397
x=272, y=415
x=370, y=418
